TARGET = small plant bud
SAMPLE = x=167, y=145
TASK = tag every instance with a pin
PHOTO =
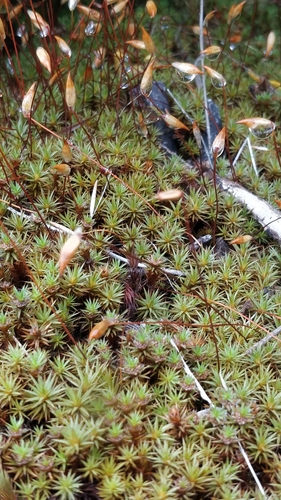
x=137, y=44
x=241, y=239
x=28, y=100
x=61, y=169
x=260, y=127
x=173, y=122
x=39, y=22
x=92, y=14
x=211, y=50
x=44, y=58
x=235, y=11
x=69, y=249
x=147, y=78
x=208, y=17
x=270, y=43
x=63, y=46
x=100, y=328
x=170, y=195
x=72, y=4
x=147, y=40
x=119, y=7
x=2, y=32
x=187, y=68
x=66, y=152
x=151, y=8
x=219, y=143
x=70, y=92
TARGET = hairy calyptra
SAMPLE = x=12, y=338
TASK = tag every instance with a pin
x=38, y=21
x=151, y=8
x=69, y=249
x=28, y=100
x=70, y=92
x=100, y=328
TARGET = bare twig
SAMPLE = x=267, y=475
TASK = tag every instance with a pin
x=264, y=341
x=252, y=156
x=265, y=214
x=268, y=216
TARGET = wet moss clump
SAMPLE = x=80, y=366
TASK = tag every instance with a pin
x=132, y=370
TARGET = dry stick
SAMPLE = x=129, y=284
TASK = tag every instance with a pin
x=141, y=265
x=269, y=218
x=264, y=341
x=265, y=214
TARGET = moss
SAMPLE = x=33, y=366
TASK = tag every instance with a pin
x=118, y=417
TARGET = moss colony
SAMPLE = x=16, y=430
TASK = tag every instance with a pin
x=156, y=282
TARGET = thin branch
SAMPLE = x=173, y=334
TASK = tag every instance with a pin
x=268, y=216
x=264, y=341
x=252, y=156
x=265, y=214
